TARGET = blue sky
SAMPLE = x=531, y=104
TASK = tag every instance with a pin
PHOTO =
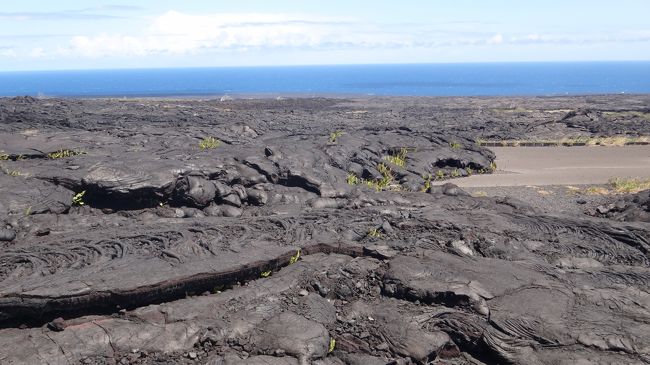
x=64, y=34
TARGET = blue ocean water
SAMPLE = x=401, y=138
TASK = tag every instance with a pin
x=424, y=79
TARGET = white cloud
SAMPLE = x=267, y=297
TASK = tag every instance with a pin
x=37, y=52
x=179, y=33
x=496, y=39
x=8, y=52
x=176, y=33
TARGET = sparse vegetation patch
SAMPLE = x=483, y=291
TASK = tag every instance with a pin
x=386, y=181
x=374, y=233
x=627, y=186
x=294, y=258
x=209, y=143
x=427, y=183
x=631, y=113
x=596, y=190
x=64, y=153
x=352, y=179
x=568, y=142
x=6, y=171
x=335, y=136
x=265, y=274
x=398, y=159
x=77, y=200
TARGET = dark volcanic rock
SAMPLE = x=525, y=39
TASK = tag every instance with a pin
x=7, y=234
x=293, y=335
x=25, y=196
x=290, y=243
x=630, y=208
x=194, y=191
x=253, y=360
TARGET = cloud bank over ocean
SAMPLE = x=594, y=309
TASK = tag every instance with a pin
x=119, y=32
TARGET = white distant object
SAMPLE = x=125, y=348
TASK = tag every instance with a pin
x=226, y=98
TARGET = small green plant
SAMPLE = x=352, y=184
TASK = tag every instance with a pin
x=427, y=183
x=294, y=258
x=265, y=274
x=440, y=175
x=13, y=173
x=77, y=200
x=384, y=170
x=4, y=156
x=469, y=171
x=352, y=179
x=455, y=173
x=28, y=211
x=209, y=143
x=218, y=289
x=374, y=233
x=334, y=136
x=398, y=159
x=455, y=145
x=62, y=154
x=493, y=166
x=385, y=181
x=332, y=345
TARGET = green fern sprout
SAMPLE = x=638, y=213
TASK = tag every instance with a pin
x=294, y=258
x=265, y=274
x=399, y=159
x=374, y=233
x=427, y=183
x=334, y=136
x=62, y=153
x=352, y=179
x=209, y=143
x=332, y=345
x=77, y=200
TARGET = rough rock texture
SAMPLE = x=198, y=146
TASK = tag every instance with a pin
x=629, y=208
x=123, y=241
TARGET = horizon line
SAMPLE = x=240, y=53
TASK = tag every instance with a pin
x=318, y=65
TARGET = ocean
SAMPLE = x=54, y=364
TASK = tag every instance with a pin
x=486, y=79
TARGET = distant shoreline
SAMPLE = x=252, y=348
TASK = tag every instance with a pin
x=262, y=96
